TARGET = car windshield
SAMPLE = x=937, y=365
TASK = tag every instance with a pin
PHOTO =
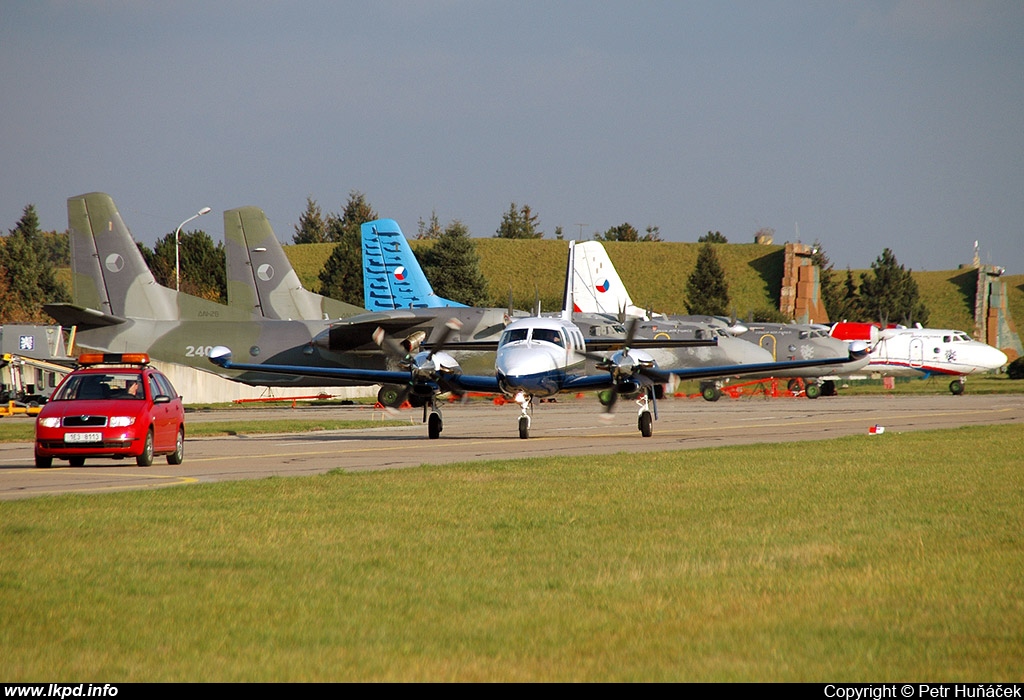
x=97, y=386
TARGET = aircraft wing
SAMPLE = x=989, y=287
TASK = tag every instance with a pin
x=768, y=368
x=221, y=357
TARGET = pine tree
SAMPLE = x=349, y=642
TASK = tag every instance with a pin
x=29, y=280
x=356, y=213
x=706, y=289
x=453, y=267
x=889, y=294
x=201, y=264
x=342, y=275
x=311, y=227
x=519, y=223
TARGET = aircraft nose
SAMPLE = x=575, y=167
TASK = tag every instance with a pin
x=994, y=358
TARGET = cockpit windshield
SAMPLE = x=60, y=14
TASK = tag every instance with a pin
x=512, y=335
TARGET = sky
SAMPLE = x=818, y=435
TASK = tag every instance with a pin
x=859, y=125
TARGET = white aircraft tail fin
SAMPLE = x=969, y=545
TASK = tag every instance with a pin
x=598, y=287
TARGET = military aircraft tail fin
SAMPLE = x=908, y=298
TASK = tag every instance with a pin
x=262, y=280
x=108, y=272
x=392, y=277
x=598, y=288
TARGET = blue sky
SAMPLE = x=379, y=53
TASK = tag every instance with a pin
x=862, y=125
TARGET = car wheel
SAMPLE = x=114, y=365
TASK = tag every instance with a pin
x=146, y=458
x=178, y=455
x=43, y=462
x=76, y=461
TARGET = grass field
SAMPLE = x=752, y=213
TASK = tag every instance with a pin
x=656, y=274
x=862, y=559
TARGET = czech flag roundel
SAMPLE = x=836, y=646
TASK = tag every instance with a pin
x=399, y=273
x=604, y=286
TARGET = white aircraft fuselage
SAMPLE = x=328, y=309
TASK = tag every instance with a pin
x=922, y=351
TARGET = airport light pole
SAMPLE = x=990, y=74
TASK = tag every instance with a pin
x=177, y=245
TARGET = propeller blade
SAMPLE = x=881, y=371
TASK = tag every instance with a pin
x=389, y=345
x=453, y=324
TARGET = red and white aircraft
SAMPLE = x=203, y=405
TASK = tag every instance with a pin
x=922, y=352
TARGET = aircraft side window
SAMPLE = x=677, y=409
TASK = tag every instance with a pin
x=946, y=339
x=547, y=335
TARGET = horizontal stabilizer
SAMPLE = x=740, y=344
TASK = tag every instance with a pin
x=84, y=318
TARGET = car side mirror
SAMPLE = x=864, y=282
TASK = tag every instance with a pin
x=162, y=398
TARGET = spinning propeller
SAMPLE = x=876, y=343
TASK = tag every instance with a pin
x=626, y=367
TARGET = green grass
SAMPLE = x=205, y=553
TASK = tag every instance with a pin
x=858, y=559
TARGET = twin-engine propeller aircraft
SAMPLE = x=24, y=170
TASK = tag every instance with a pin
x=923, y=352
x=536, y=358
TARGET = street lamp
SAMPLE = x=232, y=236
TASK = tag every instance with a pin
x=177, y=243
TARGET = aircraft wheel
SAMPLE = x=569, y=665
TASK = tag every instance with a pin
x=813, y=391
x=392, y=395
x=76, y=461
x=146, y=458
x=434, y=426
x=828, y=388
x=711, y=392
x=178, y=455
x=524, y=427
x=646, y=424
x=956, y=387
x=43, y=462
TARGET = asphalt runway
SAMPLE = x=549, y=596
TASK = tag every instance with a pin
x=483, y=431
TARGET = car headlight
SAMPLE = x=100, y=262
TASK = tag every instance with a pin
x=121, y=421
x=51, y=422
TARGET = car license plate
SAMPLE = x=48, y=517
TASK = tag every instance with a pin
x=83, y=437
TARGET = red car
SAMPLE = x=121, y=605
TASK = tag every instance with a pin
x=112, y=406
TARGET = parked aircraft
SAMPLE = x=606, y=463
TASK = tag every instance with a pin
x=118, y=306
x=599, y=288
x=923, y=352
x=261, y=278
x=536, y=357
x=595, y=326
x=392, y=276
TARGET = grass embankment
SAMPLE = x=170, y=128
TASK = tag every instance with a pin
x=655, y=275
x=858, y=559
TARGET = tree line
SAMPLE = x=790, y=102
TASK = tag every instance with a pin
x=30, y=257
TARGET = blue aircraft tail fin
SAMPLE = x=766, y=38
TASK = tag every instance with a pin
x=392, y=277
